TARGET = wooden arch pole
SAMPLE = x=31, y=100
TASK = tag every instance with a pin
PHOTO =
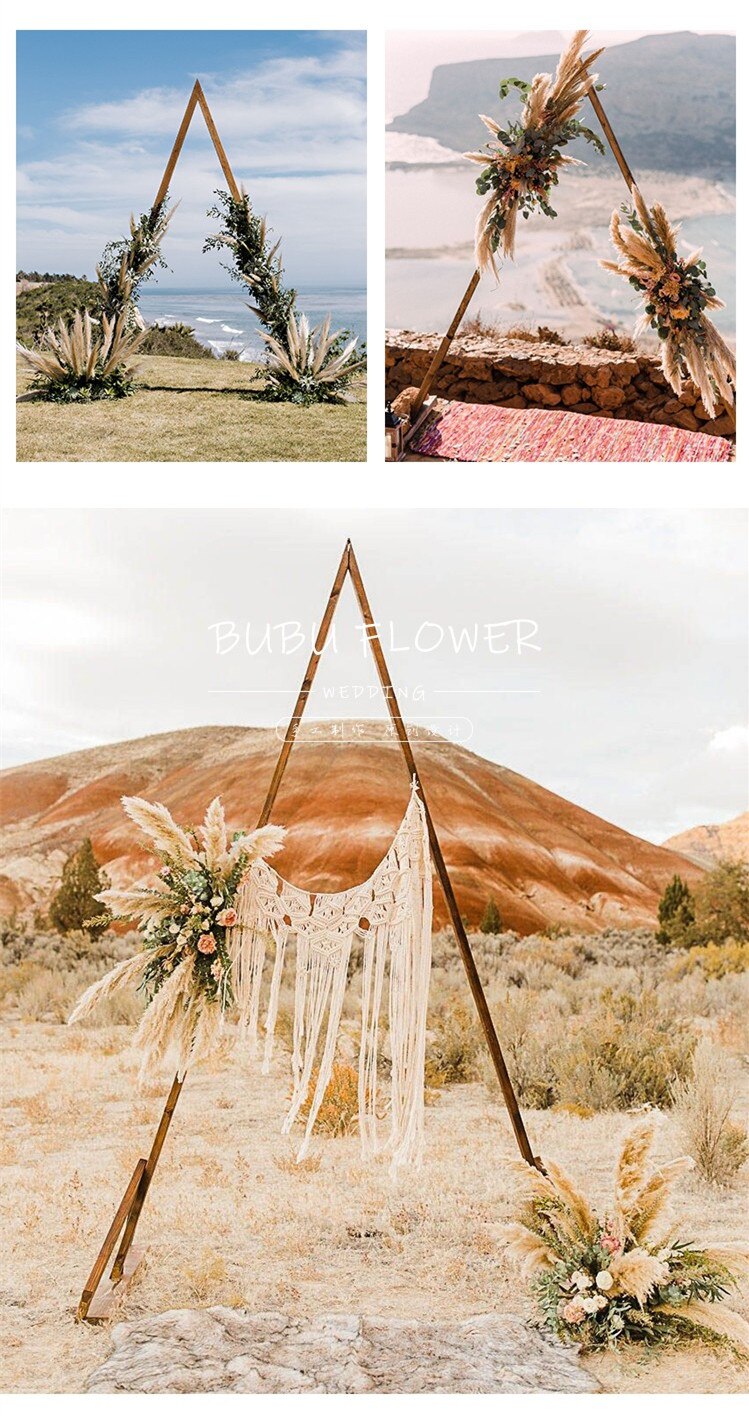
x=428, y=381
x=95, y=1309
x=197, y=99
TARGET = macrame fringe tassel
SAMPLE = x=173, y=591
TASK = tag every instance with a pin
x=396, y=934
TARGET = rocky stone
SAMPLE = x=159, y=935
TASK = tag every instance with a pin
x=542, y=394
x=232, y=1350
x=720, y=427
x=518, y=373
x=609, y=397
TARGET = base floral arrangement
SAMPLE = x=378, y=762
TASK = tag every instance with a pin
x=677, y=293
x=522, y=165
x=599, y=1281
x=184, y=967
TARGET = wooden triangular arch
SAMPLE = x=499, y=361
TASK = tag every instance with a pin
x=197, y=99
x=129, y=1209
x=427, y=383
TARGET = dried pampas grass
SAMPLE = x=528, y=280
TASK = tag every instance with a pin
x=123, y=975
x=550, y=104
x=677, y=294
x=157, y=823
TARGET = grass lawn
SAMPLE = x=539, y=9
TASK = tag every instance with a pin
x=189, y=410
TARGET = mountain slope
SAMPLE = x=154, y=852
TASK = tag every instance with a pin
x=729, y=840
x=670, y=98
x=545, y=860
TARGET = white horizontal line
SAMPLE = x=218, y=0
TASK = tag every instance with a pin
x=486, y=690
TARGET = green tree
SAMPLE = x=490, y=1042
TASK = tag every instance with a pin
x=492, y=920
x=75, y=905
x=721, y=904
x=675, y=912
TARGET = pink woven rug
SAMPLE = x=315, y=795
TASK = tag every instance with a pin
x=477, y=432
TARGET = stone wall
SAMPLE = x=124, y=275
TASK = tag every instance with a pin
x=519, y=373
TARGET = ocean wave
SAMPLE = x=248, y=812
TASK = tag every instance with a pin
x=228, y=330
x=202, y=320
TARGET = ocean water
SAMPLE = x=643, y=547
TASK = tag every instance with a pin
x=222, y=319
x=431, y=212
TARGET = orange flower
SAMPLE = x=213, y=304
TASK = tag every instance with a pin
x=206, y=944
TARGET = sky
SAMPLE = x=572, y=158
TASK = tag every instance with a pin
x=412, y=55
x=622, y=687
x=98, y=112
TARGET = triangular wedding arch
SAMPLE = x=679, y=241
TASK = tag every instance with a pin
x=197, y=99
x=95, y=1307
x=417, y=402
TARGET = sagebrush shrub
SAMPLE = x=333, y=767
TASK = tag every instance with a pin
x=454, y=1039
x=702, y=1110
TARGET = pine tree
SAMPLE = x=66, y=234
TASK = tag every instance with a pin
x=675, y=912
x=75, y=904
x=492, y=920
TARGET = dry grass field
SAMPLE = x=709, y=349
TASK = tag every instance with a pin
x=193, y=410
x=231, y=1219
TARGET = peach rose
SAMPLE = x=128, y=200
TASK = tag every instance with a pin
x=207, y=944
x=227, y=918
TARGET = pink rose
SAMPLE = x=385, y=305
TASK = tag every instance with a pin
x=206, y=944
x=227, y=918
x=573, y=1312
x=611, y=1244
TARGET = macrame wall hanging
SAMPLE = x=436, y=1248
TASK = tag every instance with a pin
x=390, y=918
x=229, y=928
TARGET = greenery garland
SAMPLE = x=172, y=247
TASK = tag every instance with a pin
x=127, y=264
x=302, y=365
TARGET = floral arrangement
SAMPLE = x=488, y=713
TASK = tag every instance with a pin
x=303, y=366
x=601, y=1281
x=522, y=164
x=677, y=293
x=74, y=361
x=184, y=967
x=87, y=357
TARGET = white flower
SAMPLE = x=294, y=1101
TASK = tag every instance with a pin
x=590, y=1305
x=205, y=926
x=174, y=929
x=217, y=900
x=581, y=1279
x=604, y=1280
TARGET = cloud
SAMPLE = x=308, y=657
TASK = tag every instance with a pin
x=729, y=741
x=294, y=131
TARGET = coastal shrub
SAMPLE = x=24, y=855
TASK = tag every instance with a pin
x=703, y=1103
x=176, y=341
x=37, y=310
x=610, y=338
